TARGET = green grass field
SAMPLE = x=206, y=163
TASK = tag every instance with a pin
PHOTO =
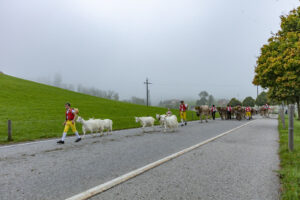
x=290, y=163
x=37, y=110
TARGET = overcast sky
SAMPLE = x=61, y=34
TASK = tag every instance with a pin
x=183, y=46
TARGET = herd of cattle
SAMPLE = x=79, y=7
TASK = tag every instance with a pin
x=238, y=112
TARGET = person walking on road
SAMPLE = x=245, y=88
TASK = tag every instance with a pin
x=169, y=112
x=228, y=111
x=213, y=112
x=248, y=112
x=182, y=111
x=70, y=122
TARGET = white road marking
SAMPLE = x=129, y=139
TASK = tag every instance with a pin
x=105, y=186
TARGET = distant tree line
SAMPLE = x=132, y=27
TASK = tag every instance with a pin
x=58, y=82
x=136, y=100
x=98, y=93
x=261, y=100
x=171, y=103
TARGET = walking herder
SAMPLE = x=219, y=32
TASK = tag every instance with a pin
x=213, y=111
x=182, y=110
x=228, y=109
x=248, y=112
x=69, y=122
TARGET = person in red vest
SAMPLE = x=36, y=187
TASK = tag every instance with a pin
x=169, y=112
x=267, y=107
x=213, y=112
x=182, y=111
x=228, y=109
x=70, y=122
x=248, y=112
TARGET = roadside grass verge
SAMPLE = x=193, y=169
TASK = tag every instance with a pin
x=37, y=110
x=289, y=163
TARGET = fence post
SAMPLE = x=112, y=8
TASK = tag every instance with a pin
x=9, y=138
x=291, y=126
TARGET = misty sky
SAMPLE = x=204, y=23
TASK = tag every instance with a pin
x=183, y=46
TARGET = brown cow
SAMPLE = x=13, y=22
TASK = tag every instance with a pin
x=239, y=112
x=202, y=110
x=264, y=112
x=223, y=112
x=253, y=112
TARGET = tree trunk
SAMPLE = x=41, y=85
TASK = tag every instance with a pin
x=298, y=107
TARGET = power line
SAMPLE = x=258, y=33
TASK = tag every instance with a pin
x=147, y=90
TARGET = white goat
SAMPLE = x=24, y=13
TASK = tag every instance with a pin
x=89, y=125
x=145, y=122
x=170, y=122
x=106, y=124
x=161, y=119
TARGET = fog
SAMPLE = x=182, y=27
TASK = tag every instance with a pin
x=183, y=47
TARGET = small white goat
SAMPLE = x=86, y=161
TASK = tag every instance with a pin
x=145, y=122
x=106, y=124
x=170, y=122
x=89, y=125
x=161, y=119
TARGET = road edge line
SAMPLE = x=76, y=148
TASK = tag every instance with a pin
x=116, y=181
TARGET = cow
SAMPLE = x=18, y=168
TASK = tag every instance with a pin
x=239, y=112
x=253, y=112
x=202, y=110
x=264, y=112
x=223, y=112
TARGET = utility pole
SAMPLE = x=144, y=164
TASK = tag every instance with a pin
x=147, y=90
x=257, y=92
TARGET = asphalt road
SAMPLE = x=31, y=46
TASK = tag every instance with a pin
x=46, y=170
x=240, y=165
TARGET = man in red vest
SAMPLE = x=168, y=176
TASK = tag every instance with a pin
x=213, y=112
x=228, y=109
x=70, y=122
x=248, y=112
x=182, y=111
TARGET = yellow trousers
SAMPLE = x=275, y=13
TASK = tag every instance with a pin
x=248, y=114
x=68, y=125
x=183, y=115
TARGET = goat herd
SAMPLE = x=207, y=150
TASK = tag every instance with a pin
x=98, y=125
x=169, y=122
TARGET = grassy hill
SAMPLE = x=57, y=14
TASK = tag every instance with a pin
x=37, y=110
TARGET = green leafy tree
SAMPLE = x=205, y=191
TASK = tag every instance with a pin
x=211, y=100
x=278, y=66
x=203, y=98
x=234, y=102
x=249, y=101
x=261, y=99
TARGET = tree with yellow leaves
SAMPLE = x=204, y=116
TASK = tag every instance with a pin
x=278, y=66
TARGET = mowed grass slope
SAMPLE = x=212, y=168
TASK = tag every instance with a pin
x=37, y=110
x=289, y=163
